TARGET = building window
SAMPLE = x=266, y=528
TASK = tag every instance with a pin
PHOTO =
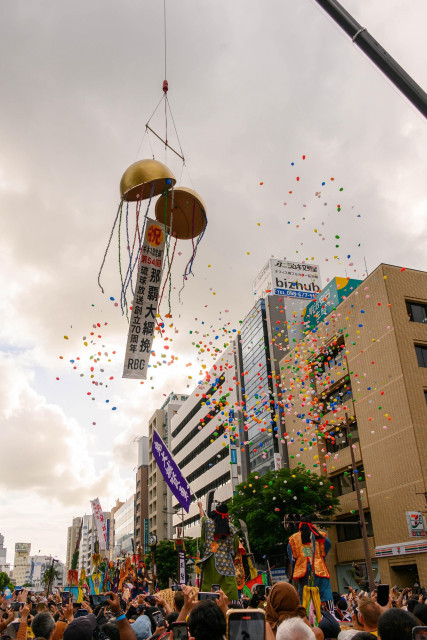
x=332, y=400
x=331, y=357
x=417, y=312
x=343, y=483
x=347, y=532
x=421, y=352
x=425, y=395
x=337, y=440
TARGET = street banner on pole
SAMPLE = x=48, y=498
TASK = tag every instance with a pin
x=170, y=472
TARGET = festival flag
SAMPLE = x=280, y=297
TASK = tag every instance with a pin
x=260, y=579
x=170, y=471
x=101, y=526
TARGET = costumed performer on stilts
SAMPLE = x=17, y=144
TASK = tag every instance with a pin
x=300, y=553
x=220, y=543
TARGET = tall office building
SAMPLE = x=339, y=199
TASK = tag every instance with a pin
x=92, y=538
x=112, y=536
x=84, y=556
x=368, y=359
x=21, y=563
x=84, y=531
x=204, y=439
x=159, y=496
x=4, y=566
x=281, y=292
x=124, y=532
x=141, y=495
x=72, y=537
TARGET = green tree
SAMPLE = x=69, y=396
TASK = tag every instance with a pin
x=49, y=576
x=5, y=581
x=167, y=560
x=263, y=501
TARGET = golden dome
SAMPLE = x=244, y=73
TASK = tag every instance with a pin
x=189, y=213
x=137, y=181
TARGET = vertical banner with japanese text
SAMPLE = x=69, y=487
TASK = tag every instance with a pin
x=144, y=308
x=182, y=568
x=171, y=472
x=101, y=525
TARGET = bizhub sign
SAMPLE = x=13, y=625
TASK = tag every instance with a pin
x=289, y=279
x=293, y=293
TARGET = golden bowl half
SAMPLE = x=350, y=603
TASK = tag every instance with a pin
x=189, y=213
x=138, y=179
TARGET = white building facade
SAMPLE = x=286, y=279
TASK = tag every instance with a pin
x=203, y=442
x=159, y=495
x=37, y=569
x=124, y=528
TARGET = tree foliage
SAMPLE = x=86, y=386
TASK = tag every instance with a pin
x=5, y=581
x=167, y=560
x=49, y=576
x=263, y=502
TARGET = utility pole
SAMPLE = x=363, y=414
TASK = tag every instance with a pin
x=379, y=56
x=51, y=575
x=368, y=560
x=361, y=513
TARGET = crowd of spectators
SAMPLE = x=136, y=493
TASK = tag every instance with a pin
x=356, y=616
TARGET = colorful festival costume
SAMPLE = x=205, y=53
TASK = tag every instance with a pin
x=238, y=566
x=300, y=552
x=220, y=544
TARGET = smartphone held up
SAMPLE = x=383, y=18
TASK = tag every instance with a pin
x=383, y=594
x=245, y=623
x=179, y=631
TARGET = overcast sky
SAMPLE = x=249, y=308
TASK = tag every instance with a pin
x=254, y=86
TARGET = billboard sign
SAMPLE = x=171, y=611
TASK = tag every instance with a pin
x=279, y=574
x=288, y=279
x=23, y=547
x=416, y=524
x=328, y=299
x=277, y=461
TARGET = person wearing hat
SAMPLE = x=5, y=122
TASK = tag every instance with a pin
x=306, y=547
x=81, y=628
x=220, y=543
